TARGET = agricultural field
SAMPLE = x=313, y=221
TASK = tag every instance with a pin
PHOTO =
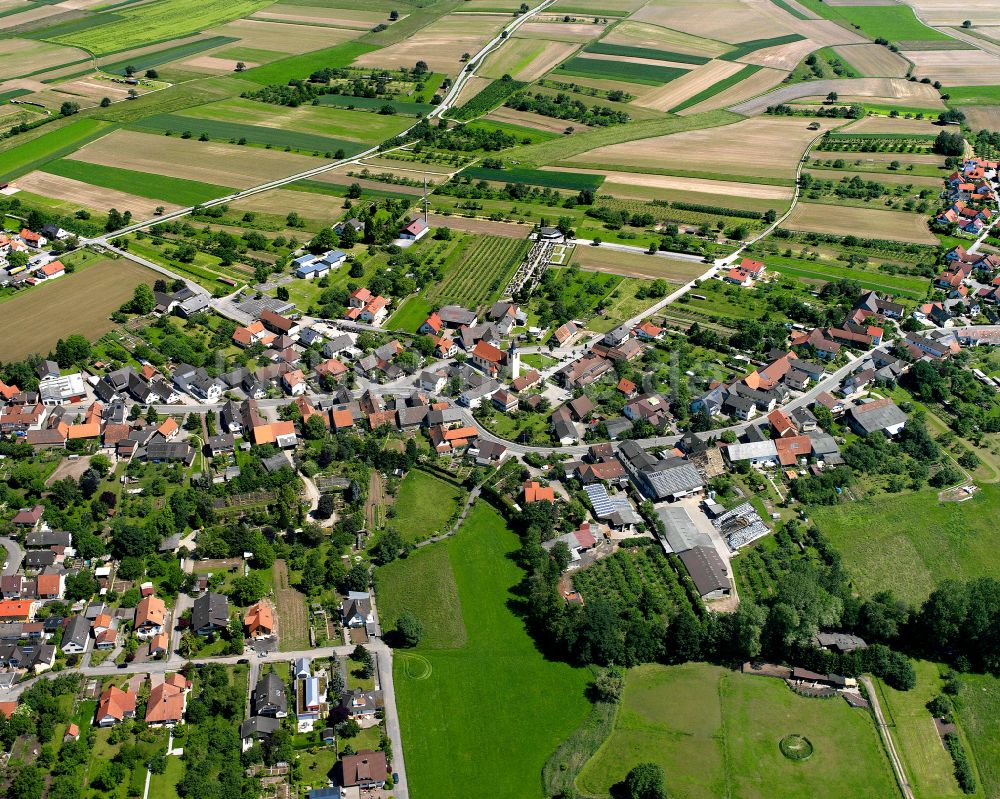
x=627, y=264
x=77, y=303
x=32, y=154
x=451, y=743
x=913, y=288
x=890, y=91
x=873, y=222
x=716, y=733
x=88, y=195
x=623, y=577
x=292, y=617
x=24, y=57
x=526, y=59
x=655, y=37
x=873, y=60
x=956, y=67
x=173, y=190
x=695, y=86
x=477, y=270
x=424, y=505
x=883, y=550
x=622, y=70
x=749, y=196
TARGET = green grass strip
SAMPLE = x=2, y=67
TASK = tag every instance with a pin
x=622, y=70
x=374, y=104
x=912, y=287
x=301, y=66
x=72, y=26
x=876, y=136
x=7, y=96
x=716, y=88
x=629, y=51
x=790, y=9
x=575, y=181
x=142, y=184
x=254, y=134
x=149, y=60
x=752, y=46
x=336, y=190
x=32, y=154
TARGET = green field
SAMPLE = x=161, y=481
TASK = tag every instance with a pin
x=424, y=505
x=927, y=764
x=524, y=134
x=301, y=66
x=752, y=46
x=374, y=104
x=159, y=21
x=716, y=88
x=155, y=59
x=254, y=134
x=574, y=181
x=142, y=184
x=626, y=50
x=619, y=70
x=483, y=718
x=716, y=733
x=903, y=285
x=893, y=22
x=423, y=584
x=410, y=315
x=884, y=549
x=979, y=713
x=23, y=158
x=974, y=95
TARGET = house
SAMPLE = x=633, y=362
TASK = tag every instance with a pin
x=150, y=615
x=360, y=704
x=757, y=453
x=76, y=636
x=487, y=453
x=616, y=337
x=52, y=270
x=579, y=541
x=432, y=326
x=168, y=701
x=504, y=401
x=839, y=642
x=259, y=620
x=792, y=448
x=210, y=614
x=366, y=769
x=16, y=610
x=50, y=586
x=781, y=424
x=356, y=610
x=28, y=517
x=114, y=706
x=294, y=382
x=278, y=324
x=270, y=697
x=32, y=239
x=432, y=382
x=584, y=371
x=415, y=230
x=565, y=333
x=253, y=333
x=536, y=492
x=159, y=645
x=882, y=415
x=62, y=390
x=660, y=479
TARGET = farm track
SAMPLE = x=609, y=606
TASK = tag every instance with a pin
x=294, y=621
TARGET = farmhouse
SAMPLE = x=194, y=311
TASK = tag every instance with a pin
x=708, y=572
x=882, y=415
x=168, y=701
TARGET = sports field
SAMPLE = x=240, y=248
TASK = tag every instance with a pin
x=485, y=716
x=884, y=550
x=77, y=303
x=716, y=733
x=424, y=505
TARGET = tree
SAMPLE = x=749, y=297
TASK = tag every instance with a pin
x=81, y=585
x=240, y=66
x=409, y=629
x=966, y=23
x=143, y=301
x=313, y=429
x=105, y=102
x=74, y=349
x=28, y=783
x=247, y=590
x=152, y=74
x=645, y=781
x=325, y=508
x=387, y=547
x=610, y=684
x=561, y=555
x=393, y=15
x=948, y=143
x=69, y=108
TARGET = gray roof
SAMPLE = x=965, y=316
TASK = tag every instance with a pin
x=707, y=570
x=275, y=463
x=682, y=534
x=270, y=696
x=259, y=726
x=77, y=632
x=872, y=419
x=675, y=476
x=753, y=450
x=210, y=610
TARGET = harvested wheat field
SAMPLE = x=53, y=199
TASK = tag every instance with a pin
x=531, y=120
x=282, y=38
x=982, y=117
x=441, y=44
x=873, y=60
x=884, y=89
x=956, y=67
x=784, y=56
x=208, y=162
x=33, y=14
x=761, y=81
x=766, y=147
x=717, y=188
x=894, y=178
x=663, y=98
x=342, y=179
x=25, y=56
x=279, y=202
x=629, y=264
x=560, y=31
x=526, y=59
x=93, y=198
x=613, y=7
x=730, y=21
x=483, y=227
x=868, y=222
x=316, y=15
x=881, y=124
x=642, y=34
x=77, y=303
x=954, y=12
x=215, y=65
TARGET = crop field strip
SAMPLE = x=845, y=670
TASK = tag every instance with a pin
x=159, y=57
x=626, y=71
x=716, y=88
x=254, y=134
x=485, y=264
x=374, y=104
x=745, y=48
x=576, y=181
x=630, y=51
x=157, y=187
x=301, y=66
x=54, y=144
x=912, y=288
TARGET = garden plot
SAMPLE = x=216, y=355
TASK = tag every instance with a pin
x=760, y=81
x=956, y=67
x=441, y=44
x=873, y=60
x=765, y=147
x=84, y=195
x=686, y=86
x=641, y=34
x=920, y=95
x=316, y=15
x=871, y=222
x=283, y=38
x=27, y=57
x=526, y=59
x=210, y=162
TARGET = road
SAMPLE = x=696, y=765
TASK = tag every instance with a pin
x=890, y=746
x=13, y=557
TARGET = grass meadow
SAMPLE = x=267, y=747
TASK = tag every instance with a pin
x=424, y=505
x=22, y=158
x=483, y=717
x=410, y=315
x=716, y=733
x=979, y=714
x=884, y=548
x=300, y=66
x=142, y=184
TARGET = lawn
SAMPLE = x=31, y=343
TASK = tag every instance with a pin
x=487, y=715
x=716, y=733
x=156, y=187
x=979, y=713
x=159, y=21
x=410, y=315
x=883, y=548
x=32, y=154
x=164, y=786
x=424, y=505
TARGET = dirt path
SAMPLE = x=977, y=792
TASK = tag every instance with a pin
x=890, y=747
